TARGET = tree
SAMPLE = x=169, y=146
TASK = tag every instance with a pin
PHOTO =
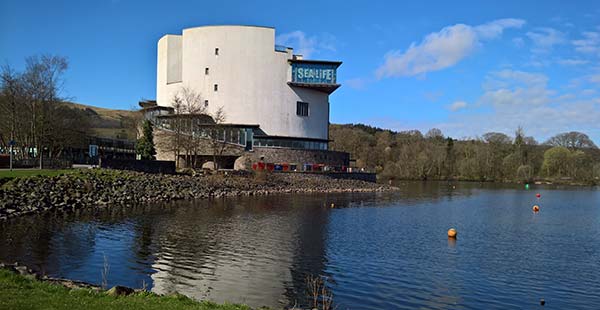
x=556, y=161
x=434, y=133
x=145, y=145
x=217, y=135
x=189, y=111
x=33, y=113
x=572, y=140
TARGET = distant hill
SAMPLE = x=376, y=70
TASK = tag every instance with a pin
x=107, y=123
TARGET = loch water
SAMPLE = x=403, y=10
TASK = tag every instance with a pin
x=375, y=250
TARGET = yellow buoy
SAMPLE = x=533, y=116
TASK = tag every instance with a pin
x=536, y=208
x=451, y=233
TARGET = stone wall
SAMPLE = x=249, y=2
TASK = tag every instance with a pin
x=148, y=166
x=282, y=155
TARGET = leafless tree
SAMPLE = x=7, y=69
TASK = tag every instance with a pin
x=217, y=134
x=572, y=140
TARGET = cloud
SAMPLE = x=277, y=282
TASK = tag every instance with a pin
x=514, y=98
x=545, y=38
x=572, y=62
x=306, y=45
x=443, y=49
x=457, y=105
x=518, y=42
x=357, y=83
x=589, y=44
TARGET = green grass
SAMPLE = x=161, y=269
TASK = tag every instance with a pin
x=19, y=173
x=18, y=292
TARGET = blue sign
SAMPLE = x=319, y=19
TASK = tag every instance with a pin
x=93, y=150
x=314, y=73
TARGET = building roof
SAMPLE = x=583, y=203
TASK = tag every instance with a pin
x=337, y=63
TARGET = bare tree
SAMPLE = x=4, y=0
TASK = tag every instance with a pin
x=572, y=140
x=218, y=136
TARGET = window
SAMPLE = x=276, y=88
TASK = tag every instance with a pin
x=206, y=103
x=216, y=87
x=205, y=71
x=217, y=51
x=302, y=108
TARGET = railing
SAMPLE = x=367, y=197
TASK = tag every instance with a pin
x=280, y=48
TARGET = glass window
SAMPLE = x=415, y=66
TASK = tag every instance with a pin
x=302, y=108
x=217, y=51
x=216, y=87
x=205, y=71
x=206, y=103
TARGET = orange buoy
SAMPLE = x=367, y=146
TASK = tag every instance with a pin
x=452, y=233
x=536, y=208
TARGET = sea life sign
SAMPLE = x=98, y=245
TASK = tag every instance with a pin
x=314, y=73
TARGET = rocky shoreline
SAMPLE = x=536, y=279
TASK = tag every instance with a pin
x=102, y=188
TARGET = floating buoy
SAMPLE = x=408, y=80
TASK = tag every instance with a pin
x=536, y=208
x=526, y=186
x=538, y=195
x=452, y=233
x=332, y=206
x=542, y=302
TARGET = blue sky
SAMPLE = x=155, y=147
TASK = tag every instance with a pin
x=466, y=67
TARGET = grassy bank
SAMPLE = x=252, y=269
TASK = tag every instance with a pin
x=19, y=173
x=19, y=292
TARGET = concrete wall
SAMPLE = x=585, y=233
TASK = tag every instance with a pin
x=251, y=76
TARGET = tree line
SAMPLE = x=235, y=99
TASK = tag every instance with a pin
x=568, y=157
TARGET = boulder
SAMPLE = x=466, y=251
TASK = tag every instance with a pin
x=208, y=165
x=242, y=163
x=119, y=290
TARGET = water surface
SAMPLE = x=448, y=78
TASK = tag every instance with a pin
x=377, y=251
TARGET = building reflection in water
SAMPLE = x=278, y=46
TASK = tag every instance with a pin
x=259, y=250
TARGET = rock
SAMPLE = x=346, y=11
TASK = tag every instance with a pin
x=242, y=163
x=120, y=291
x=208, y=165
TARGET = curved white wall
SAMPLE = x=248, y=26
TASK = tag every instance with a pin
x=251, y=76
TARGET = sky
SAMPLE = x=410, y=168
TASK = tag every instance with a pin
x=465, y=67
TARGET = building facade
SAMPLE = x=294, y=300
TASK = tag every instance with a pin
x=240, y=69
x=271, y=98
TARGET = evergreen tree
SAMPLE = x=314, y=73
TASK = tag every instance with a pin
x=145, y=145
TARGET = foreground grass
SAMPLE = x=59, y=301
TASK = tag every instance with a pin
x=19, y=173
x=18, y=292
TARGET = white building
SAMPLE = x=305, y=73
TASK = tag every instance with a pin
x=256, y=82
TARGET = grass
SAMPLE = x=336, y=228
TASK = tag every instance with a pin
x=20, y=173
x=18, y=292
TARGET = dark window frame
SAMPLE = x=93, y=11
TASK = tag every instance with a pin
x=302, y=109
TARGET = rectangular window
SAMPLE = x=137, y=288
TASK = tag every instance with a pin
x=217, y=51
x=205, y=71
x=206, y=103
x=216, y=87
x=302, y=108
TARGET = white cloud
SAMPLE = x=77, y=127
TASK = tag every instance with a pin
x=457, y=105
x=306, y=45
x=589, y=44
x=495, y=28
x=442, y=49
x=572, y=62
x=518, y=42
x=357, y=83
x=545, y=38
x=517, y=98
